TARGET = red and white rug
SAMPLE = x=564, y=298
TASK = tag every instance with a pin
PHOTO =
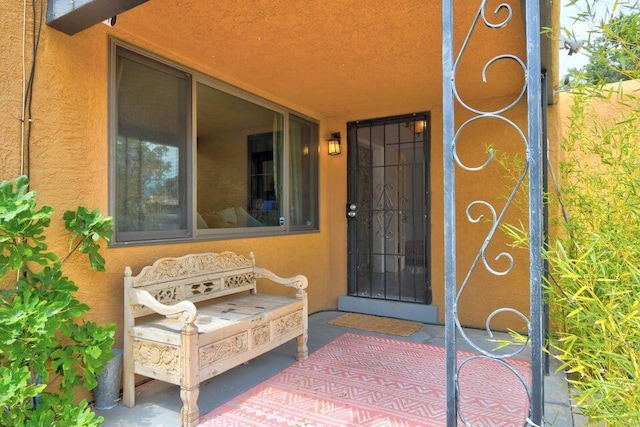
x=363, y=380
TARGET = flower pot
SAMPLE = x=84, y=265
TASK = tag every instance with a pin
x=107, y=393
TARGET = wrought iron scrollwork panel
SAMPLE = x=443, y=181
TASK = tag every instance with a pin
x=486, y=212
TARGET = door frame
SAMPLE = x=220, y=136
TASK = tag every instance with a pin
x=352, y=270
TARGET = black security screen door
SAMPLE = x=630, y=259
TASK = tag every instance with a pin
x=387, y=209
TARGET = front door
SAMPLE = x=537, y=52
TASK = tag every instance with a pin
x=388, y=208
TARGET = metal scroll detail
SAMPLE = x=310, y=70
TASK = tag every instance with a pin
x=384, y=210
x=485, y=213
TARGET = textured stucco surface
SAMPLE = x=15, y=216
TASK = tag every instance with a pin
x=335, y=61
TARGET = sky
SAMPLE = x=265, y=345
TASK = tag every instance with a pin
x=579, y=28
x=567, y=13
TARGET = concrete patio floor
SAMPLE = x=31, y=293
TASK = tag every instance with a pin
x=158, y=404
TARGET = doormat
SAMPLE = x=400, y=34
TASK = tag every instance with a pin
x=363, y=380
x=383, y=325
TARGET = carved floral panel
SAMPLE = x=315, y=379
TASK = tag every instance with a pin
x=167, y=268
x=260, y=335
x=159, y=356
x=222, y=349
x=240, y=280
x=287, y=323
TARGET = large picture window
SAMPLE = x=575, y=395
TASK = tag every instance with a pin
x=248, y=167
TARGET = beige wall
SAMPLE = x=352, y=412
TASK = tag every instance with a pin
x=69, y=167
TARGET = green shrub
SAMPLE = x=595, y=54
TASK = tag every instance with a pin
x=594, y=291
x=47, y=349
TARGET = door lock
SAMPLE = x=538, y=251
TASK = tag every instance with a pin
x=351, y=210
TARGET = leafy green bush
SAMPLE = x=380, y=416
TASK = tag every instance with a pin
x=595, y=265
x=47, y=349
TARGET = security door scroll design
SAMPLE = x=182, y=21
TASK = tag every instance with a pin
x=494, y=260
x=385, y=210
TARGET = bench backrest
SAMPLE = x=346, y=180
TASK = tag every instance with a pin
x=195, y=277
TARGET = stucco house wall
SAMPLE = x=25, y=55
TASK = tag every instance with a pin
x=69, y=158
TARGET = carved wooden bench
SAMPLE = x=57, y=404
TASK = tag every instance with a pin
x=200, y=334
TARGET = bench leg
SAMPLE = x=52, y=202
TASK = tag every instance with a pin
x=128, y=377
x=190, y=413
x=303, y=350
x=190, y=382
x=128, y=390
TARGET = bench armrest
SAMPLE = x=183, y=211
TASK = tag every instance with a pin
x=299, y=281
x=184, y=311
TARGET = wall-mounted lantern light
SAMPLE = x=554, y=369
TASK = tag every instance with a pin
x=334, y=144
x=417, y=127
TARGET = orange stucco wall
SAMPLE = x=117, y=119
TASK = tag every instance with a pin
x=69, y=167
x=616, y=101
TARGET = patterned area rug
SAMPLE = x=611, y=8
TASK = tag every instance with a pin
x=359, y=380
x=385, y=325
